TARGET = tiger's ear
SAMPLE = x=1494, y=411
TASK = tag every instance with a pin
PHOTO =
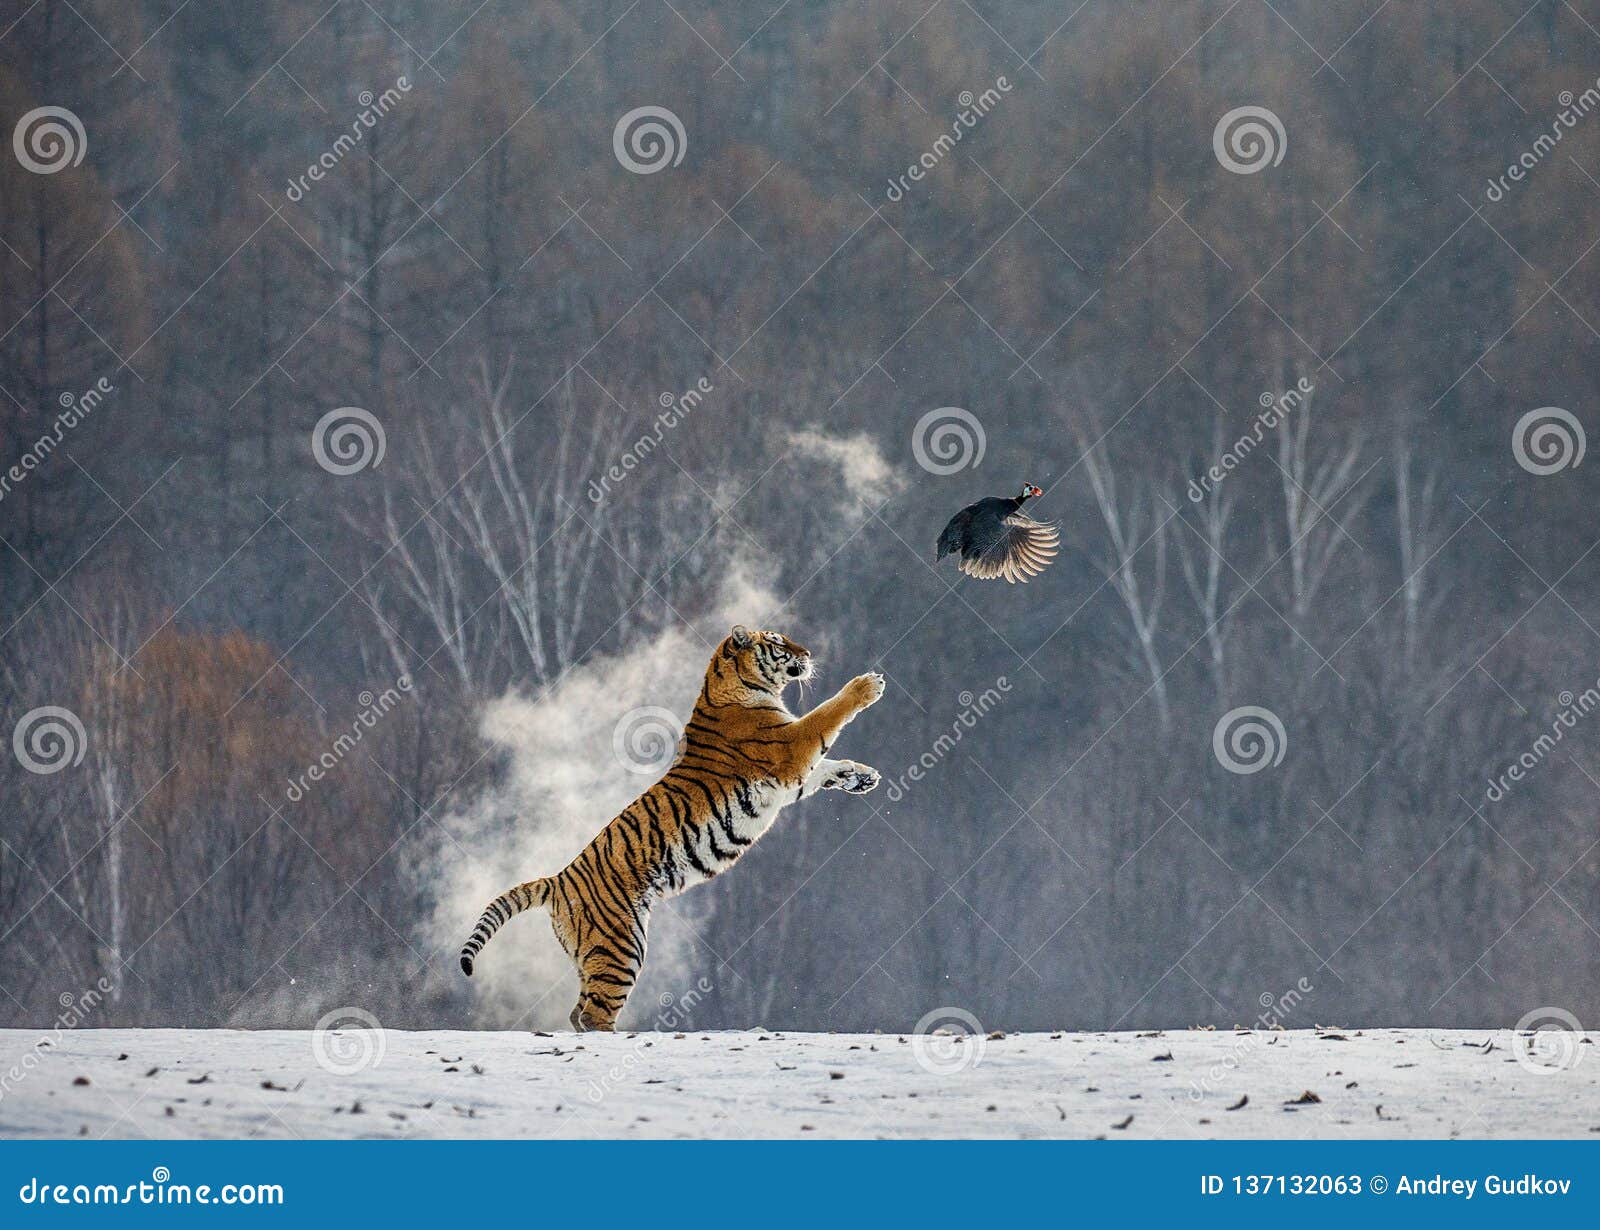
x=741, y=637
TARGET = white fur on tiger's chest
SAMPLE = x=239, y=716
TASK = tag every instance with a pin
x=710, y=844
x=768, y=800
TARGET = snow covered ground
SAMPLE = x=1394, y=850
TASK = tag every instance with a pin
x=1182, y=1084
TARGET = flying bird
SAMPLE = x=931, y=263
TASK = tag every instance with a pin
x=997, y=540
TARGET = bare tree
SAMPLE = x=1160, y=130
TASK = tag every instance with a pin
x=1203, y=564
x=1131, y=524
x=511, y=544
x=1418, y=536
x=1311, y=485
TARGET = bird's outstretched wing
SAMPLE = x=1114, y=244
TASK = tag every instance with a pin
x=1022, y=549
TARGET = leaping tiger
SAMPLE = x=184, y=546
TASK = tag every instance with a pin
x=744, y=758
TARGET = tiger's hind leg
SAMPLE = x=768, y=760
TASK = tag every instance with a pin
x=608, y=965
x=605, y=979
x=607, y=969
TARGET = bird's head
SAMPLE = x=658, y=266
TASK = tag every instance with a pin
x=1030, y=492
x=768, y=657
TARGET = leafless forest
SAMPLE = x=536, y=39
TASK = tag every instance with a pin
x=597, y=392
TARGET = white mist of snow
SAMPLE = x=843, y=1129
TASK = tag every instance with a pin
x=866, y=474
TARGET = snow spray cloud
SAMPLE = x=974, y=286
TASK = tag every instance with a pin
x=865, y=472
x=562, y=783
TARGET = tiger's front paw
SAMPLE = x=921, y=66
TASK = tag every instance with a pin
x=854, y=778
x=865, y=690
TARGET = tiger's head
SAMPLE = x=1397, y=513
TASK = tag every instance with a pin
x=760, y=662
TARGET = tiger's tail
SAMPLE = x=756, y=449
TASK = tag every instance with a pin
x=499, y=912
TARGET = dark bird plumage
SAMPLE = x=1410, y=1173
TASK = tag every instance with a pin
x=997, y=541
